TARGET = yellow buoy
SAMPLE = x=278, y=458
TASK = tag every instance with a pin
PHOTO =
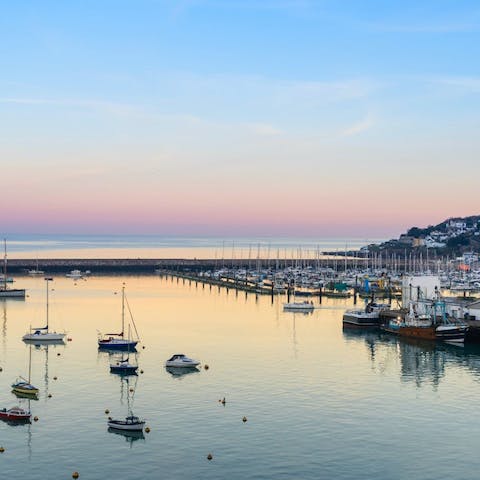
x=75, y=475
x=147, y=430
x=206, y=367
x=2, y=449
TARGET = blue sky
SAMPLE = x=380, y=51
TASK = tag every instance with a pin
x=256, y=103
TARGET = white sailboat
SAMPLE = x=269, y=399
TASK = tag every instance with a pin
x=42, y=334
x=9, y=292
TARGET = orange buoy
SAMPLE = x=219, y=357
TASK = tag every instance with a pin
x=2, y=449
x=75, y=475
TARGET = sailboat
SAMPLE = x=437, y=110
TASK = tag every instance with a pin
x=35, y=271
x=117, y=341
x=21, y=386
x=4, y=291
x=132, y=423
x=123, y=366
x=42, y=334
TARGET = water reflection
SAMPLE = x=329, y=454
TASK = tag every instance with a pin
x=420, y=361
x=130, y=437
x=178, y=372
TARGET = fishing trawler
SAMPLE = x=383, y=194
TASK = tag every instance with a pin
x=428, y=321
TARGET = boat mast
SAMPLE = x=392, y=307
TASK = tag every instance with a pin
x=123, y=309
x=5, y=264
x=29, y=363
x=46, y=281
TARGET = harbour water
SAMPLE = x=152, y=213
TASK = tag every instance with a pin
x=320, y=403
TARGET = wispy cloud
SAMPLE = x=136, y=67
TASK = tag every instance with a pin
x=359, y=127
x=118, y=109
x=264, y=129
x=467, y=84
x=426, y=27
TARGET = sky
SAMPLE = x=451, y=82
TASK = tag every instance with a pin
x=240, y=117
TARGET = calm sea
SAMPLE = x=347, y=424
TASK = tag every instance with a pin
x=319, y=403
x=110, y=246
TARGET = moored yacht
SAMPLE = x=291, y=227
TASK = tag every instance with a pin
x=180, y=360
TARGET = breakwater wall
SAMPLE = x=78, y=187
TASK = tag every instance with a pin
x=148, y=265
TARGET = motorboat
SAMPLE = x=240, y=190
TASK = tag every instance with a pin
x=305, y=306
x=124, y=367
x=179, y=360
x=40, y=335
x=131, y=423
x=368, y=317
x=75, y=274
x=15, y=414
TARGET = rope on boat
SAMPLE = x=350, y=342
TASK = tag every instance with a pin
x=131, y=317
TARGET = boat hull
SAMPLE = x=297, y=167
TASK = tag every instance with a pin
x=28, y=392
x=298, y=307
x=351, y=320
x=123, y=370
x=127, y=427
x=43, y=337
x=451, y=335
x=12, y=293
x=10, y=416
x=190, y=365
x=117, y=345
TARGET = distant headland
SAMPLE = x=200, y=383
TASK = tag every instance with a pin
x=456, y=235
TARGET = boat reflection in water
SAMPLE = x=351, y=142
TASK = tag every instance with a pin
x=421, y=361
x=130, y=436
x=178, y=372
